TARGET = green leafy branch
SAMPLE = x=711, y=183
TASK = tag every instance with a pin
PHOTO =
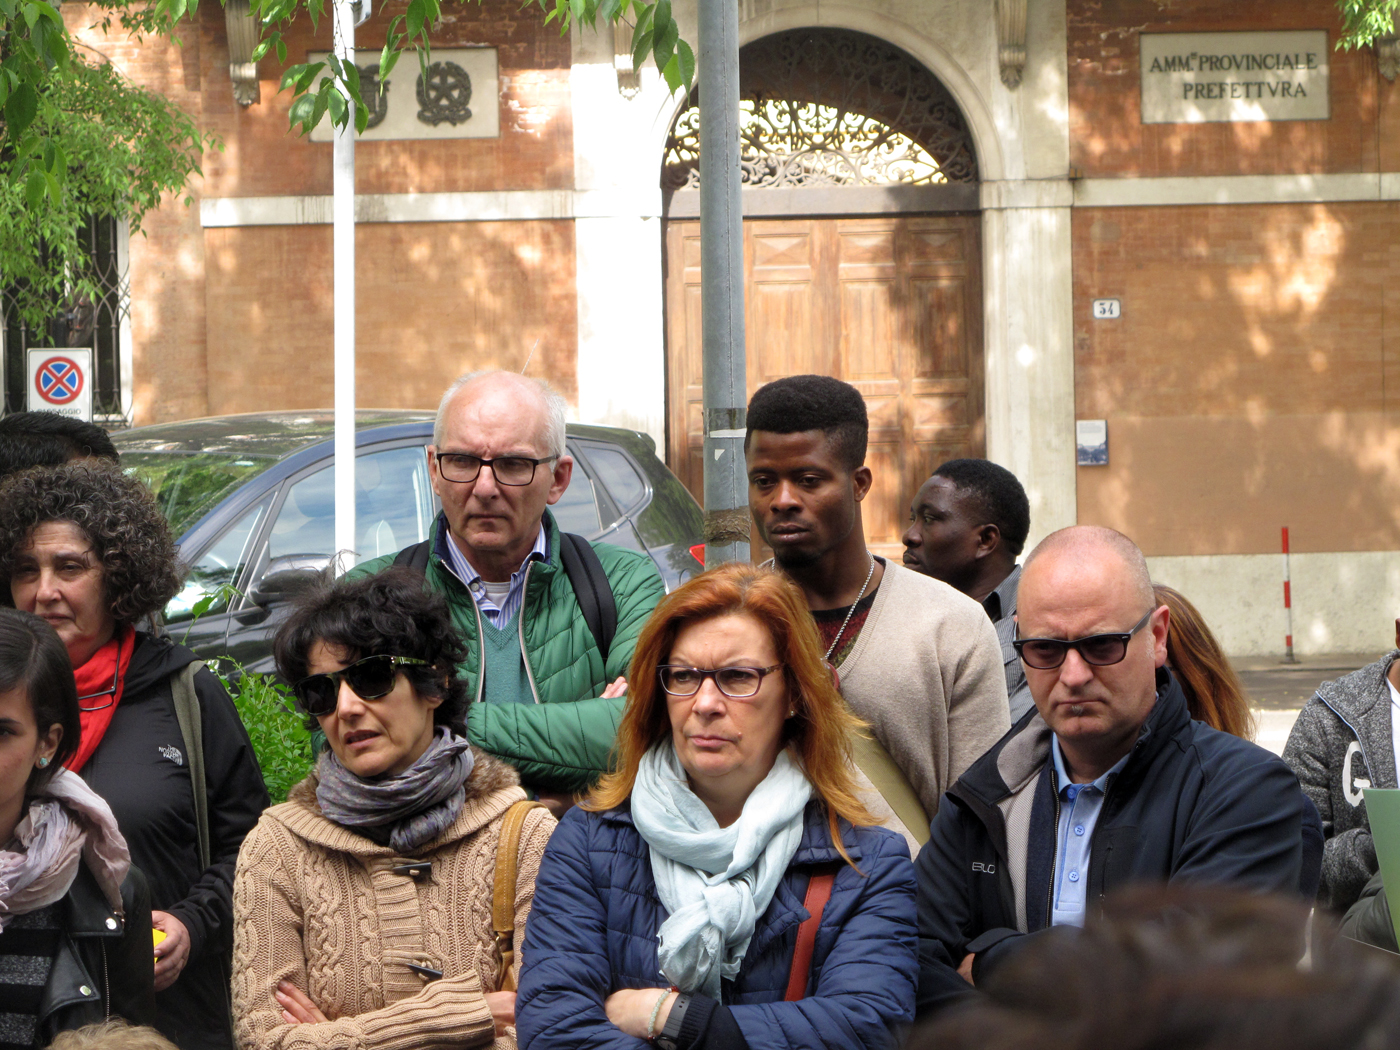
x=34, y=45
x=333, y=87
x=281, y=741
x=77, y=140
x=1366, y=21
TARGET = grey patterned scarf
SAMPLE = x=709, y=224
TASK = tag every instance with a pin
x=415, y=806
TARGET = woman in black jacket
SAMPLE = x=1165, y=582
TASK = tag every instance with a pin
x=86, y=548
x=74, y=914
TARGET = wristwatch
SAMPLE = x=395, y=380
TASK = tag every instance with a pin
x=667, y=1038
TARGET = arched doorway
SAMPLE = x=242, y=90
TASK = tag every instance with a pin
x=861, y=253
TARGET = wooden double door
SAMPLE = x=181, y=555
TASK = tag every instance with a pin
x=890, y=304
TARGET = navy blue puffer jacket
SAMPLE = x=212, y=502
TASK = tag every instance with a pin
x=593, y=926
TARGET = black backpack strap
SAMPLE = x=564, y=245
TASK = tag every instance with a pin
x=591, y=587
x=415, y=557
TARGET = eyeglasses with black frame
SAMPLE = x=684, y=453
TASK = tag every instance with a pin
x=370, y=678
x=1100, y=650
x=737, y=683
x=462, y=467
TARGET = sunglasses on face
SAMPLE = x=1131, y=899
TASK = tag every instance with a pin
x=370, y=678
x=1101, y=650
x=737, y=683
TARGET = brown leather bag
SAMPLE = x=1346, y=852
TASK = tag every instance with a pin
x=503, y=892
x=818, y=893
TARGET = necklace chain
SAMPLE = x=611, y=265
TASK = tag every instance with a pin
x=852, y=610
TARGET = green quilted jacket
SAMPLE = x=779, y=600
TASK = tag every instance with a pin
x=562, y=742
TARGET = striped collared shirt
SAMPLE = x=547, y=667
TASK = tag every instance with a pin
x=504, y=613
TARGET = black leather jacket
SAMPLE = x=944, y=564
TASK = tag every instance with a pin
x=104, y=967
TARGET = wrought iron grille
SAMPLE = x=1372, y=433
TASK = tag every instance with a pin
x=827, y=107
x=78, y=321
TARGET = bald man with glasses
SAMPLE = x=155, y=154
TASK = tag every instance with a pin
x=1109, y=783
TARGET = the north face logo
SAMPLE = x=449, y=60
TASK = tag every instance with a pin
x=172, y=753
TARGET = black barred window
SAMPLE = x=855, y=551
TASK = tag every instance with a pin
x=828, y=107
x=78, y=321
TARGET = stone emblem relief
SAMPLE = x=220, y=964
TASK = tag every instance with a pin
x=376, y=94
x=444, y=94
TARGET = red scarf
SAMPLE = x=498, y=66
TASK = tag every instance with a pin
x=104, y=674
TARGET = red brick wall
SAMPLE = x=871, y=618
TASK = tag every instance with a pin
x=434, y=300
x=1253, y=379
x=239, y=319
x=1107, y=137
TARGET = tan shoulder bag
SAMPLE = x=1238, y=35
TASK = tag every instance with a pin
x=503, y=893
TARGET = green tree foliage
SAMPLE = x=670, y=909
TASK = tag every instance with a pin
x=1365, y=21
x=332, y=87
x=281, y=741
x=76, y=140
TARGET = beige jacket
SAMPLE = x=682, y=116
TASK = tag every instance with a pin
x=319, y=906
x=926, y=673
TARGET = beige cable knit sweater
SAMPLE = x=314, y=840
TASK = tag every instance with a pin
x=926, y=673
x=318, y=905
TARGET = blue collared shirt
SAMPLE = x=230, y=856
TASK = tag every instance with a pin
x=1080, y=805
x=498, y=614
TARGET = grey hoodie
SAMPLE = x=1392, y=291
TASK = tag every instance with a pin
x=1340, y=744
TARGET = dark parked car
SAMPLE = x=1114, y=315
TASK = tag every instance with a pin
x=252, y=501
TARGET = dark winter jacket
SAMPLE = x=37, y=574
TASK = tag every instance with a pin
x=593, y=927
x=563, y=741
x=1191, y=804
x=104, y=966
x=1341, y=744
x=141, y=770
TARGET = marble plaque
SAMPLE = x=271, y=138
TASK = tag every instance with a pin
x=1196, y=78
x=458, y=99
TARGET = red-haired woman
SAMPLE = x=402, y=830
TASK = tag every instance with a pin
x=668, y=905
x=1213, y=690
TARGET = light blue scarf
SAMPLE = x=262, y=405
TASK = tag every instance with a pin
x=715, y=882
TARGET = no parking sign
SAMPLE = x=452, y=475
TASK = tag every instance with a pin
x=61, y=381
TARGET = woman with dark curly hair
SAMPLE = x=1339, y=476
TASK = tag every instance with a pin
x=86, y=548
x=364, y=904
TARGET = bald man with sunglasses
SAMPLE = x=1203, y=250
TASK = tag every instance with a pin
x=1107, y=782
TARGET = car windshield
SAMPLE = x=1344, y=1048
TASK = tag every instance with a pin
x=189, y=484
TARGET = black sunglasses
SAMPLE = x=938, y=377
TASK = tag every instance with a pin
x=1101, y=650
x=370, y=678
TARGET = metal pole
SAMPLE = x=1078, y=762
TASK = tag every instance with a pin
x=1288, y=656
x=722, y=286
x=343, y=214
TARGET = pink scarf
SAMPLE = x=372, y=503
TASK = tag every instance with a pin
x=67, y=822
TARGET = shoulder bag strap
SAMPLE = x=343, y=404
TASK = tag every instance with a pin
x=416, y=556
x=818, y=893
x=503, y=890
x=591, y=587
x=889, y=780
x=191, y=721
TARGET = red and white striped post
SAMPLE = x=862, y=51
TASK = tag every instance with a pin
x=1288, y=657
